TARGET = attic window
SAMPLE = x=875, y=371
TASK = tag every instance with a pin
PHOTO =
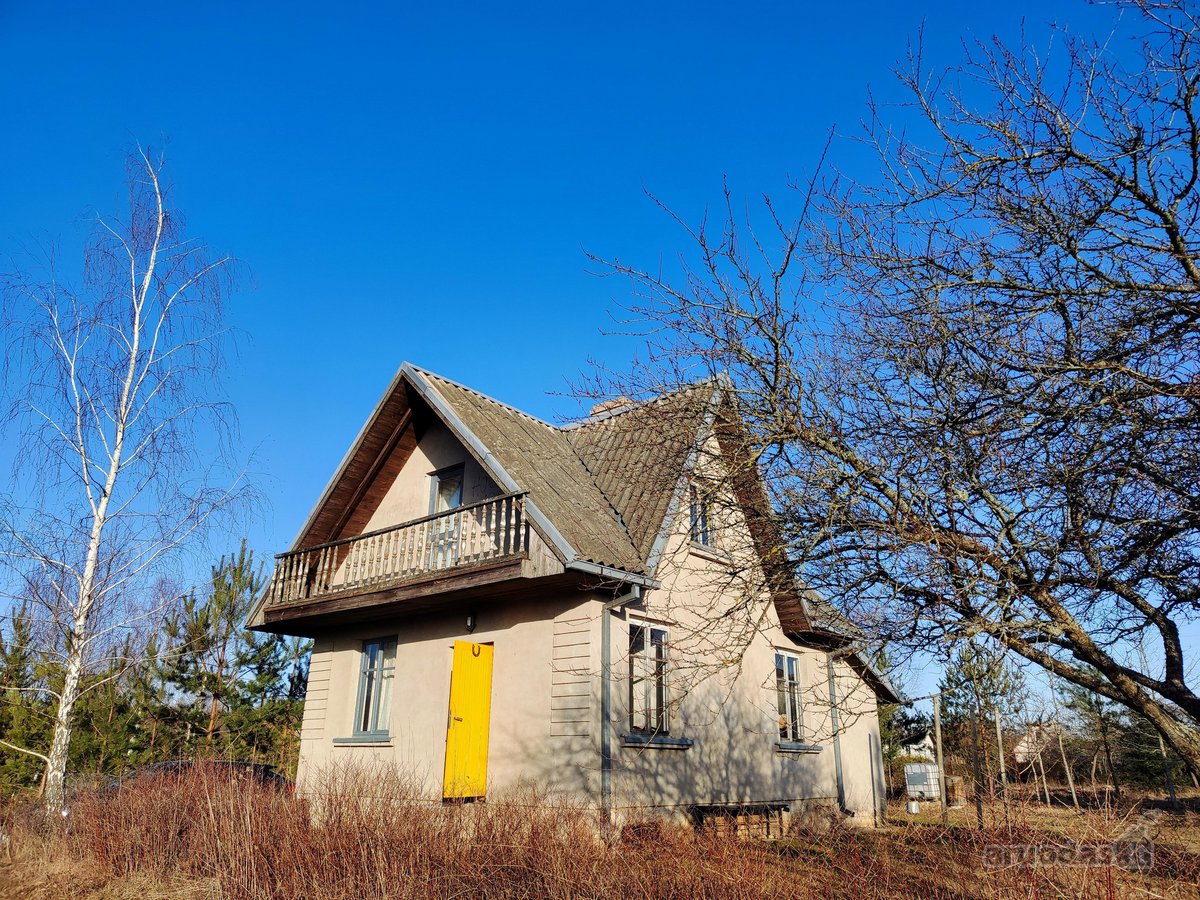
x=701, y=517
x=446, y=490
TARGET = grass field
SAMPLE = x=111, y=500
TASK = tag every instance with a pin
x=204, y=838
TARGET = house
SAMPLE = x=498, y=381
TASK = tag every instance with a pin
x=1036, y=739
x=918, y=744
x=495, y=600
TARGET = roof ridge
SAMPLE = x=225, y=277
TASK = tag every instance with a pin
x=713, y=380
x=488, y=397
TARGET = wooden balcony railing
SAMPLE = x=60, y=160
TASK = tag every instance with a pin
x=459, y=538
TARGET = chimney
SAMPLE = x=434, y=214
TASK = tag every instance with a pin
x=616, y=404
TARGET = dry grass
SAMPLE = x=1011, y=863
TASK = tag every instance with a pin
x=205, y=837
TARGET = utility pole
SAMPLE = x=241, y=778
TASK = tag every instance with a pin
x=937, y=740
x=1000, y=756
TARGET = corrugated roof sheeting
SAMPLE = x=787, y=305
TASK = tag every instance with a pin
x=541, y=460
x=637, y=457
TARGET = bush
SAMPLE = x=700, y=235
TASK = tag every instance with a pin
x=384, y=842
x=370, y=833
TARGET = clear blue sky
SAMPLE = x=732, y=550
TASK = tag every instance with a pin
x=421, y=182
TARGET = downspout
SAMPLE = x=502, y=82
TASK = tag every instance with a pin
x=835, y=719
x=634, y=594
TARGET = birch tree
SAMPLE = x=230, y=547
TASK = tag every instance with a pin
x=121, y=444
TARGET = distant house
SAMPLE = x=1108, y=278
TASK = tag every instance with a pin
x=1036, y=739
x=496, y=600
x=919, y=744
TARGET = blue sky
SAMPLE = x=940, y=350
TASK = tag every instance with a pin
x=421, y=182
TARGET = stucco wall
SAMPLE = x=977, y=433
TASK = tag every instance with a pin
x=408, y=497
x=523, y=744
x=546, y=683
x=724, y=633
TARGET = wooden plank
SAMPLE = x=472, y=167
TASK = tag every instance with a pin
x=434, y=584
x=563, y=704
x=571, y=689
x=381, y=456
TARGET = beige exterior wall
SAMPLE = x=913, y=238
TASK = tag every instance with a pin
x=408, y=497
x=546, y=685
x=526, y=744
x=723, y=693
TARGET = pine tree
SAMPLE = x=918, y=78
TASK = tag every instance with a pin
x=156, y=732
x=25, y=710
x=223, y=675
x=978, y=687
x=1099, y=722
x=979, y=679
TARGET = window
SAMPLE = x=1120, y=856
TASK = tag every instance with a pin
x=701, y=509
x=446, y=493
x=648, y=679
x=375, y=688
x=447, y=490
x=787, y=692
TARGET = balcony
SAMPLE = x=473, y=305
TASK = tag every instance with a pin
x=458, y=540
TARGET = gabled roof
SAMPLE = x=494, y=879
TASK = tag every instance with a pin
x=603, y=492
x=638, y=455
x=539, y=459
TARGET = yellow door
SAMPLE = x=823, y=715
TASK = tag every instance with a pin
x=469, y=721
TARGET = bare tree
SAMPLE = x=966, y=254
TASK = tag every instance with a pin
x=973, y=384
x=121, y=440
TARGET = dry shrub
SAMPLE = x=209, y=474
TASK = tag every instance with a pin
x=369, y=833
x=366, y=834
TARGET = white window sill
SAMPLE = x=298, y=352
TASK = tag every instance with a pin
x=363, y=740
x=656, y=741
x=796, y=748
x=709, y=552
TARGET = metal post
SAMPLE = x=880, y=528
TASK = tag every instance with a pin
x=937, y=739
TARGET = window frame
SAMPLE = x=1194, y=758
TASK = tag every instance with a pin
x=435, y=480
x=700, y=520
x=385, y=671
x=789, y=704
x=655, y=709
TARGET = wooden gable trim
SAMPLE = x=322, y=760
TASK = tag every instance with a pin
x=373, y=472
x=751, y=496
x=658, y=548
x=392, y=405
